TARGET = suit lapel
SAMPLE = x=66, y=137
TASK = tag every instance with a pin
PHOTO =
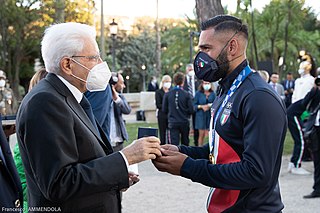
x=75, y=107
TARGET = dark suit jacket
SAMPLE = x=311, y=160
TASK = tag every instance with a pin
x=196, y=84
x=121, y=108
x=67, y=164
x=10, y=191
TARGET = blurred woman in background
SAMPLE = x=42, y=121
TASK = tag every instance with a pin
x=165, y=86
x=202, y=103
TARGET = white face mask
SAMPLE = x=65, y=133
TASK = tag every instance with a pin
x=167, y=85
x=301, y=71
x=98, y=77
x=206, y=87
x=191, y=73
x=2, y=83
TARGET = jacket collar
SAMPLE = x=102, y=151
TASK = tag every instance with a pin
x=62, y=89
x=226, y=83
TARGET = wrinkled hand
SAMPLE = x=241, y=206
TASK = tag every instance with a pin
x=142, y=149
x=170, y=161
x=133, y=179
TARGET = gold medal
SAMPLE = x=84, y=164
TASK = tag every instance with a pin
x=211, y=158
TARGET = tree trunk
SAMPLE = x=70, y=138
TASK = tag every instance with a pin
x=207, y=9
x=158, y=45
x=254, y=36
x=60, y=6
x=283, y=66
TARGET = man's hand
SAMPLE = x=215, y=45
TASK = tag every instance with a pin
x=170, y=147
x=133, y=179
x=115, y=94
x=142, y=149
x=9, y=130
x=170, y=161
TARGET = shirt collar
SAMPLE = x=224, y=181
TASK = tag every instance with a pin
x=226, y=83
x=75, y=92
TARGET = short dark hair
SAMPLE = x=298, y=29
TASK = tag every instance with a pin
x=274, y=73
x=178, y=78
x=225, y=22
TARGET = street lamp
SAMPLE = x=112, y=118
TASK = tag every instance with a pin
x=128, y=78
x=113, y=32
x=192, y=34
x=143, y=67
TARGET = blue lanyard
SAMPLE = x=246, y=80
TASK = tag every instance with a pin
x=235, y=85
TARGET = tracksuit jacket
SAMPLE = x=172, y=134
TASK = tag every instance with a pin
x=251, y=136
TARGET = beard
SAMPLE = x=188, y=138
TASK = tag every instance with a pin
x=223, y=64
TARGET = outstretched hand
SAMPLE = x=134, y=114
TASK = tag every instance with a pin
x=142, y=149
x=171, y=161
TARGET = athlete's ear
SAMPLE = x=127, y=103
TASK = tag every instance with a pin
x=66, y=65
x=233, y=47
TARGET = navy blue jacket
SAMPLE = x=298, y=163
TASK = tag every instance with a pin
x=251, y=137
x=101, y=103
x=11, y=191
x=177, y=103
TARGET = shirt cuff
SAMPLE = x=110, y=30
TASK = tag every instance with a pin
x=125, y=159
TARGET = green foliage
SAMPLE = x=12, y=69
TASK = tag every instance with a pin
x=176, y=38
x=133, y=53
x=22, y=25
x=303, y=32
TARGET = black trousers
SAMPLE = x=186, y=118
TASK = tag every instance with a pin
x=195, y=131
x=163, y=125
x=179, y=130
x=295, y=127
x=315, y=145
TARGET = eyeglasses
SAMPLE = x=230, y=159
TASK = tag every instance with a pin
x=94, y=58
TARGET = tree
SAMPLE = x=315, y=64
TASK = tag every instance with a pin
x=19, y=33
x=207, y=9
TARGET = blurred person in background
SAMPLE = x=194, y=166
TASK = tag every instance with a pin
x=202, y=104
x=118, y=131
x=304, y=83
x=264, y=75
x=190, y=85
x=274, y=78
x=288, y=86
x=6, y=96
x=165, y=86
x=153, y=84
x=177, y=103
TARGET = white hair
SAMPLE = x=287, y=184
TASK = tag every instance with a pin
x=64, y=40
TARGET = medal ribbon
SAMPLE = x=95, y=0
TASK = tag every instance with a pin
x=235, y=85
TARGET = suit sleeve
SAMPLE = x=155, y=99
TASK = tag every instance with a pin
x=263, y=143
x=47, y=127
x=123, y=105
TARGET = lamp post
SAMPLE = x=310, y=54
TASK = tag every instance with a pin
x=128, y=78
x=113, y=32
x=143, y=67
x=192, y=34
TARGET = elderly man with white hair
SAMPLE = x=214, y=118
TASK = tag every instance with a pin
x=69, y=163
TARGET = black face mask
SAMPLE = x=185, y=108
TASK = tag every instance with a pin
x=209, y=69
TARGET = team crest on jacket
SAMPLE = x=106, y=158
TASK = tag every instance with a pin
x=226, y=114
